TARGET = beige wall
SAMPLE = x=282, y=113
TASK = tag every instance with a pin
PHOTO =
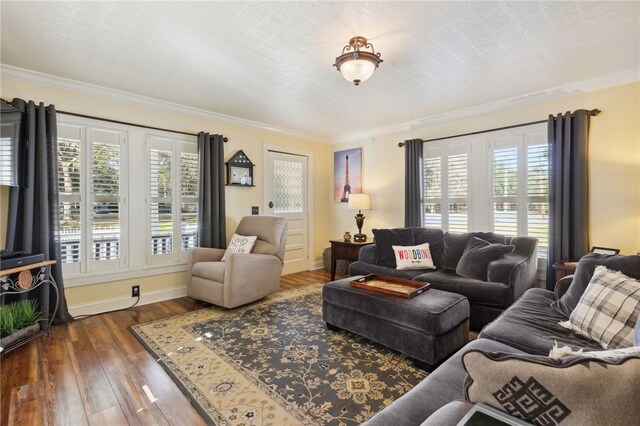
x=614, y=161
x=239, y=200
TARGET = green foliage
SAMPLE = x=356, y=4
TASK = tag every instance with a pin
x=18, y=315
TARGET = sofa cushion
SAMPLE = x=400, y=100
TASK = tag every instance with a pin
x=476, y=257
x=387, y=238
x=571, y=391
x=213, y=271
x=454, y=245
x=481, y=292
x=364, y=268
x=628, y=265
x=413, y=257
x=442, y=386
x=434, y=237
x=531, y=325
x=608, y=310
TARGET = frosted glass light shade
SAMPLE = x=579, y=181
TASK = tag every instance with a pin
x=357, y=70
x=359, y=202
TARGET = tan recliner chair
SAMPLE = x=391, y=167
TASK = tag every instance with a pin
x=241, y=278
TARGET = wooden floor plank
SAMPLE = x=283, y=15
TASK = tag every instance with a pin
x=111, y=416
x=62, y=393
x=93, y=384
x=91, y=371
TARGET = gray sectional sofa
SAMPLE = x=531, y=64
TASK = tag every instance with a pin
x=507, y=278
x=529, y=326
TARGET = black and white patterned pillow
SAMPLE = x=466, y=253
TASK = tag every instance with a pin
x=608, y=310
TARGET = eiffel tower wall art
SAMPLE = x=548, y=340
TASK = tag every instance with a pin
x=347, y=174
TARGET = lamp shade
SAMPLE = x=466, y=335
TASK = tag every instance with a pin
x=359, y=202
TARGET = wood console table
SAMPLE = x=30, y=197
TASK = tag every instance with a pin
x=24, y=279
x=344, y=250
x=563, y=268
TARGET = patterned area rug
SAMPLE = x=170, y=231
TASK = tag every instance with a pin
x=275, y=363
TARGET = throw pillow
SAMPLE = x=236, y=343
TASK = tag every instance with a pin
x=608, y=310
x=570, y=391
x=628, y=265
x=385, y=239
x=413, y=257
x=240, y=244
x=454, y=245
x=476, y=258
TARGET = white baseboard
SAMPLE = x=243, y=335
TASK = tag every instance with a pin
x=107, y=305
x=318, y=265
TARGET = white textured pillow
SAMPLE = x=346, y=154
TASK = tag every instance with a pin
x=413, y=257
x=608, y=309
x=240, y=244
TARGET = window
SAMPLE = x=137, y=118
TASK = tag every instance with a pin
x=128, y=200
x=497, y=181
x=172, y=203
x=91, y=198
x=446, y=186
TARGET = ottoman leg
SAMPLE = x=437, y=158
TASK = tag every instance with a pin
x=332, y=327
x=423, y=365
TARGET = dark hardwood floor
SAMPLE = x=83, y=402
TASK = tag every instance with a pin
x=92, y=372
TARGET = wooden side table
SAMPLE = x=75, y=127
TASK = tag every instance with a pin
x=564, y=268
x=344, y=250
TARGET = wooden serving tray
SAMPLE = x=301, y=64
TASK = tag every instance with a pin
x=389, y=285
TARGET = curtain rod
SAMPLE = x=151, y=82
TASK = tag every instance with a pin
x=593, y=112
x=126, y=123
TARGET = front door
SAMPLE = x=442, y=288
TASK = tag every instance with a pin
x=286, y=196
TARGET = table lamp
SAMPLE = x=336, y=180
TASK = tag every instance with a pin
x=359, y=202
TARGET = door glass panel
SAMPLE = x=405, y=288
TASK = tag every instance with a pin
x=287, y=186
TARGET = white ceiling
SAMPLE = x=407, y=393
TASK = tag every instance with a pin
x=271, y=62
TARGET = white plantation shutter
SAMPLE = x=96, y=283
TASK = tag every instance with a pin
x=432, y=191
x=161, y=201
x=188, y=199
x=106, y=203
x=505, y=190
x=91, y=197
x=458, y=177
x=538, y=194
x=69, y=184
x=172, y=201
x=446, y=188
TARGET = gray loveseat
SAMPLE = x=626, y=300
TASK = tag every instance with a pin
x=529, y=326
x=507, y=278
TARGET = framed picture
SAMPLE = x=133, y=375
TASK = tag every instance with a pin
x=239, y=175
x=604, y=250
x=347, y=174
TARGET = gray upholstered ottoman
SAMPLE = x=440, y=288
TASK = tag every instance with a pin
x=427, y=328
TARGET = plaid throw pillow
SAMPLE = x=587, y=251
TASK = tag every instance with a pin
x=608, y=310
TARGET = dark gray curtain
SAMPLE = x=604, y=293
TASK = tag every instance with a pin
x=211, y=207
x=33, y=223
x=413, y=183
x=568, y=137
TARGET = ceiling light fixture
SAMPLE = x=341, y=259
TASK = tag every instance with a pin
x=357, y=65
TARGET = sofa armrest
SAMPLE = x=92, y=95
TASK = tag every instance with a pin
x=515, y=271
x=204, y=254
x=562, y=286
x=368, y=254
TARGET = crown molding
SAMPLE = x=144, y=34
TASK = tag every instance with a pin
x=611, y=80
x=41, y=79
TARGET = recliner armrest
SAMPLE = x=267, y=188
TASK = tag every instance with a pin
x=505, y=270
x=562, y=286
x=204, y=254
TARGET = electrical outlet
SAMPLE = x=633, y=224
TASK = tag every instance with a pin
x=135, y=291
x=255, y=210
